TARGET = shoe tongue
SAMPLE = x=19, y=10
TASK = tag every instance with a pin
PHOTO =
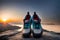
x=35, y=18
x=28, y=17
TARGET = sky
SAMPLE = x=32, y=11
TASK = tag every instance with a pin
x=47, y=10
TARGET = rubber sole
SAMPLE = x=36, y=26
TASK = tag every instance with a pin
x=37, y=35
x=27, y=35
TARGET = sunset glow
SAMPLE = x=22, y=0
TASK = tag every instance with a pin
x=4, y=19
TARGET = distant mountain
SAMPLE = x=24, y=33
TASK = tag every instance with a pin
x=8, y=27
x=50, y=21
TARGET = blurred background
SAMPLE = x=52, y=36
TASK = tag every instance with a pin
x=12, y=13
x=15, y=10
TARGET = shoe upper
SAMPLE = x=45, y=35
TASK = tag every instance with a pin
x=27, y=21
x=36, y=22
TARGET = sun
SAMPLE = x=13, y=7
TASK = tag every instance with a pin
x=4, y=19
